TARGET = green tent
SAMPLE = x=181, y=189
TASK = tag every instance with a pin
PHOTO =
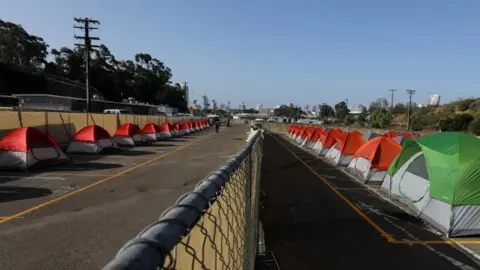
x=437, y=176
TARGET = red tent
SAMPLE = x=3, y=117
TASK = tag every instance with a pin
x=25, y=147
x=151, y=132
x=196, y=127
x=165, y=130
x=128, y=134
x=91, y=139
x=185, y=128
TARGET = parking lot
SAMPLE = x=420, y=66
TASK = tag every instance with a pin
x=85, y=211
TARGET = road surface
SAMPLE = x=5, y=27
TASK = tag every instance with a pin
x=77, y=217
x=316, y=217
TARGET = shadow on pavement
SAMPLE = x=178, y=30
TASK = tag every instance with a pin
x=85, y=166
x=308, y=225
x=129, y=152
x=8, y=194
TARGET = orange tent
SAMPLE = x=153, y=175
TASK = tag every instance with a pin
x=374, y=157
x=407, y=134
x=391, y=134
x=327, y=140
x=345, y=146
x=314, y=137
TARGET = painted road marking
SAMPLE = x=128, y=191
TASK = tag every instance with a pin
x=375, y=191
x=339, y=194
x=62, y=197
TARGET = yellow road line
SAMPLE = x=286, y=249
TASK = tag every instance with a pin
x=437, y=242
x=345, y=199
x=34, y=208
x=374, y=191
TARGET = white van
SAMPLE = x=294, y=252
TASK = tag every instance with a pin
x=116, y=111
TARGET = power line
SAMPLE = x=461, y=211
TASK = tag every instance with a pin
x=85, y=25
x=410, y=93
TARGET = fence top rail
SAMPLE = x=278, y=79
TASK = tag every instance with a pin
x=150, y=248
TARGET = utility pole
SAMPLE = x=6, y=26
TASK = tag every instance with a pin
x=228, y=106
x=85, y=25
x=410, y=93
x=187, y=94
x=392, y=91
x=346, y=102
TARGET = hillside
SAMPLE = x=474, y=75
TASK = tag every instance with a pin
x=460, y=115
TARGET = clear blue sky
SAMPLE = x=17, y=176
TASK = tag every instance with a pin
x=275, y=51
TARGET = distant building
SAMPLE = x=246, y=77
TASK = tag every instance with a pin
x=259, y=107
x=356, y=109
x=434, y=100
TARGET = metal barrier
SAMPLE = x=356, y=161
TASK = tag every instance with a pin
x=213, y=227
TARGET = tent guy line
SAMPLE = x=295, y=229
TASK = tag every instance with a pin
x=130, y=169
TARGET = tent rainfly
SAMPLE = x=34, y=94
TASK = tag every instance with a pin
x=185, y=128
x=26, y=147
x=327, y=140
x=345, y=146
x=306, y=134
x=151, y=132
x=438, y=178
x=128, y=134
x=371, y=161
x=314, y=137
x=165, y=131
x=91, y=139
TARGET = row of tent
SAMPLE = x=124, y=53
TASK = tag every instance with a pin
x=437, y=177
x=26, y=147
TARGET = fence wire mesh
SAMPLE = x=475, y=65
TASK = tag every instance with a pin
x=213, y=227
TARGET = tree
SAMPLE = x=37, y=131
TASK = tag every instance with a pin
x=380, y=103
x=349, y=119
x=459, y=122
x=18, y=47
x=380, y=118
x=144, y=78
x=341, y=110
x=474, y=127
x=289, y=112
x=399, y=108
x=325, y=111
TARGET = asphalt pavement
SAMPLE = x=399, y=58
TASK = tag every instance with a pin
x=78, y=216
x=316, y=217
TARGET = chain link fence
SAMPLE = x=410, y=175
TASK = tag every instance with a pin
x=213, y=227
